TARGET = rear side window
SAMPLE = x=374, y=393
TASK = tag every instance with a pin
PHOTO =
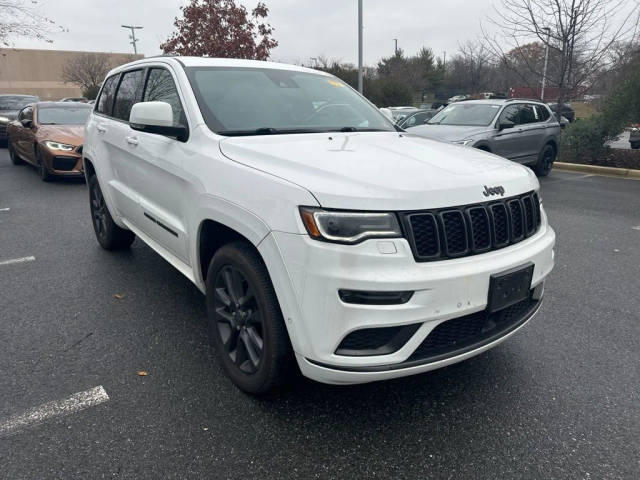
x=161, y=88
x=129, y=92
x=543, y=113
x=528, y=114
x=105, y=102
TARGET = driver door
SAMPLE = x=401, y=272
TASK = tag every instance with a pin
x=507, y=142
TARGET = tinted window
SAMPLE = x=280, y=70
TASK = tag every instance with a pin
x=161, y=88
x=528, y=114
x=16, y=103
x=63, y=115
x=543, y=113
x=106, y=97
x=129, y=92
x=512, y=114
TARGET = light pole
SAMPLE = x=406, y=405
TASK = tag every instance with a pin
x=315, y=62
x=546, y=60
x=133, y=38
x=395, y=50
x=360, y=46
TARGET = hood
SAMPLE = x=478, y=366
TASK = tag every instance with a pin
x=70, y=134
x=447, y=133
x=10, y=114
x=380, y=170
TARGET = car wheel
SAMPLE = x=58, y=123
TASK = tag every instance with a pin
x=635, y=145
x=545, y=160
x=246, y=327
x=45, y=176
x=109, y=235
x=15, y=159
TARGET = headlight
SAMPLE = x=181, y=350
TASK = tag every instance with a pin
x=4, y=120
x=59, y=146
x=349, y=227
x=464, y=143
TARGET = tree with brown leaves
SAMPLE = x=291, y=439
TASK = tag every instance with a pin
x=220, y=28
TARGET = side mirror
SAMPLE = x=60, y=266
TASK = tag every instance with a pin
x=156, y=117
x=505, y=124
x=26, y=123
x=387, y=113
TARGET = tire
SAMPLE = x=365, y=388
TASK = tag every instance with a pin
x=546, y=157
x=45, y=176
x=109, y=235
x=15, y=159
x=635, y=145
x=246, y=328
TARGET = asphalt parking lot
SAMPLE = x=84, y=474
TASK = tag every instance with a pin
x=559, y=400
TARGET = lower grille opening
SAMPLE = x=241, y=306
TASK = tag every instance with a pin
x=65, y=164
x=374, y=298
x=461, y=332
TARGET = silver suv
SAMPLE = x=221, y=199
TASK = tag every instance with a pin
x=525, y=131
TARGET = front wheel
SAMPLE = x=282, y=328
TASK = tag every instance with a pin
x=635, y=145
x=109, y=235
x=43, y=171
x=545, y=160
x=246, y=327
x=15, y=159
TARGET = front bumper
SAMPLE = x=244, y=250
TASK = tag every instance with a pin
x=443, y=290
x=64, y=164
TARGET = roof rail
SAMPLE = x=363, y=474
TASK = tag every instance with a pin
x=525, y=99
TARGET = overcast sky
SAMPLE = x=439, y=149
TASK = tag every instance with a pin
x=303, y=28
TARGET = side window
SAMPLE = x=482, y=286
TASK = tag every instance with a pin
x=129, y=92
x=161, y=88
x=512, y=114
x=543, y=113
x=411, y=121
x=105, y=102
x=528, y=114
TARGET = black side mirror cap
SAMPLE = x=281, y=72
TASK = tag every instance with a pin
x=505, y=124
x=180, y=132
x=26, y=123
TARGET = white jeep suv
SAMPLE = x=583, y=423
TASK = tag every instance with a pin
x=321, y=234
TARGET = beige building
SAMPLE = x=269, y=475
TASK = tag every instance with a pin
x=39, y=72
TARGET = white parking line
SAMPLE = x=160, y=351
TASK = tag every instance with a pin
x=4, y=209
x=17, y=260
x=75, y=403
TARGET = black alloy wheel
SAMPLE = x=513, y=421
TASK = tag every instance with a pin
x=45, y=176
x=545, y=160
x=239, y=320
x=15, y=159
x=109, y=235
x=98, y=212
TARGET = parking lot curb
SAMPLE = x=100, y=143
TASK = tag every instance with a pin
x=597, y=170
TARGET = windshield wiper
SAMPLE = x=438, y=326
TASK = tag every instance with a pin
x=267, y=131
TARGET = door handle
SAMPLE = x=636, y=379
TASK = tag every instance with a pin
x=131, y=140
x=101, y=129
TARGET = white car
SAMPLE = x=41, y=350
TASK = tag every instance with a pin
x=322, y=236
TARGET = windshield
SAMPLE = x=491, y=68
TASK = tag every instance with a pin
x=16, y=103
x=262, y=101
x=63, y=115
x=471, y=114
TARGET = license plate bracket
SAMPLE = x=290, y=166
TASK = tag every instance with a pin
x=509, y=287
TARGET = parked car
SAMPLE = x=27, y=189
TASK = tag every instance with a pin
x=417, y=118
x=49, y=135
x=321, y=235
x=634, y=136
x=524, y=131
x=400, y=113
x=75, y=99
x=10, y=105
x=567, y=111
x=457, y=98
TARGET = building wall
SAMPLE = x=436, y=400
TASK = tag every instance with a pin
x=39, y=72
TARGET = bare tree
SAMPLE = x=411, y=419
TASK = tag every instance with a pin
x=20, y=18
x=579, y=35
x=87, y=70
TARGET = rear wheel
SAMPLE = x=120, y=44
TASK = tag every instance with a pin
x=109, y=235
x=15, y=159
x=545, y=160
x=246, y=327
